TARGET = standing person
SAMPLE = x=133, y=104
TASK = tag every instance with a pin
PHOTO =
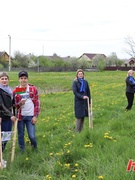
x=81, y=92
x=130, y=89
x=6, y=107
x=28, y=107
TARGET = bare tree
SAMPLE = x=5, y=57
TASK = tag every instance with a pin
x=131, y=44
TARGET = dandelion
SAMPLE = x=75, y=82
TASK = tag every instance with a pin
x=27, y=159
x=48, y=177
x=67, y=165
x=76, y=165
x=43, y=136
x=51, y=154
x=88, y=145
x=73, y=176
x=59, y=163
x=100, y=177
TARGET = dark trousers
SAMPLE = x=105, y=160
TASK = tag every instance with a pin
x=79, y=124
x=130, y=99
x=6, y=125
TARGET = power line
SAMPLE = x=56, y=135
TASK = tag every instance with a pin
x=68, y=40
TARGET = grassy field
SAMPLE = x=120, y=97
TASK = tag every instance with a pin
x=99, y=153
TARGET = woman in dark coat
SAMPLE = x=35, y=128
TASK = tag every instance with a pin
x=81, y=92
x=130, y=89
x=6, y=106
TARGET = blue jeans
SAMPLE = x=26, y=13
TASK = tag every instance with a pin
x=26, y=120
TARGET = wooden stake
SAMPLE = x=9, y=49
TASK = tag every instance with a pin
x=14, y=139
x=90, y=113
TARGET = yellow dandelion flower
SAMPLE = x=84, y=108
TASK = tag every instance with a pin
x=59, y=164
x=67, y=165
x=100, y=177
x=110, y=137
x=76, y=165
x=73, y=176
x=48, y=177
x=27, y=159
x=91, y=145
x=88, y=145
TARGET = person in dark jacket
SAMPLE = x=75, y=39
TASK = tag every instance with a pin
x=130, y=89
x=81, y=92
x=6, y=105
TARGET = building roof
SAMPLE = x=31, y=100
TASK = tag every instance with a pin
x=1, y=53
x=91, y=55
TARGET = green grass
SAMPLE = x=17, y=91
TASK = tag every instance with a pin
x=101, y=152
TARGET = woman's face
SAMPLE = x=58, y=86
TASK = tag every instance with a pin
x=80, y=75
x=4, y=81
x=131, y=73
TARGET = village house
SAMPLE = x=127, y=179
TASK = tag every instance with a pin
x=89, y=56
x=4, y=56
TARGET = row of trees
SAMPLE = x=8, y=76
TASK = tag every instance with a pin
x=21, y=60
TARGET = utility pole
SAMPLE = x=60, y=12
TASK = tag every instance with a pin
x=38, y=64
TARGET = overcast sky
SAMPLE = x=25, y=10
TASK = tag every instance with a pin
x=66, y=27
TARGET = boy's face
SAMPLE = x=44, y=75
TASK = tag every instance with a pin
x=4, y=81
x=23, y=81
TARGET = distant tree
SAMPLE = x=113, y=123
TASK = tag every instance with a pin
x=45, y=62
x=101, y=65
x=73, y=63
x=99, y=61
x=58, y=62
x=83, y=64
x=131, y=46
x=32, y=60
x=20, y=60
x=112, y=60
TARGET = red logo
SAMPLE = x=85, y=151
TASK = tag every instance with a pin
x=131, y=164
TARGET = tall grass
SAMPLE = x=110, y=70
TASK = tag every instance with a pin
x=99, y=153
